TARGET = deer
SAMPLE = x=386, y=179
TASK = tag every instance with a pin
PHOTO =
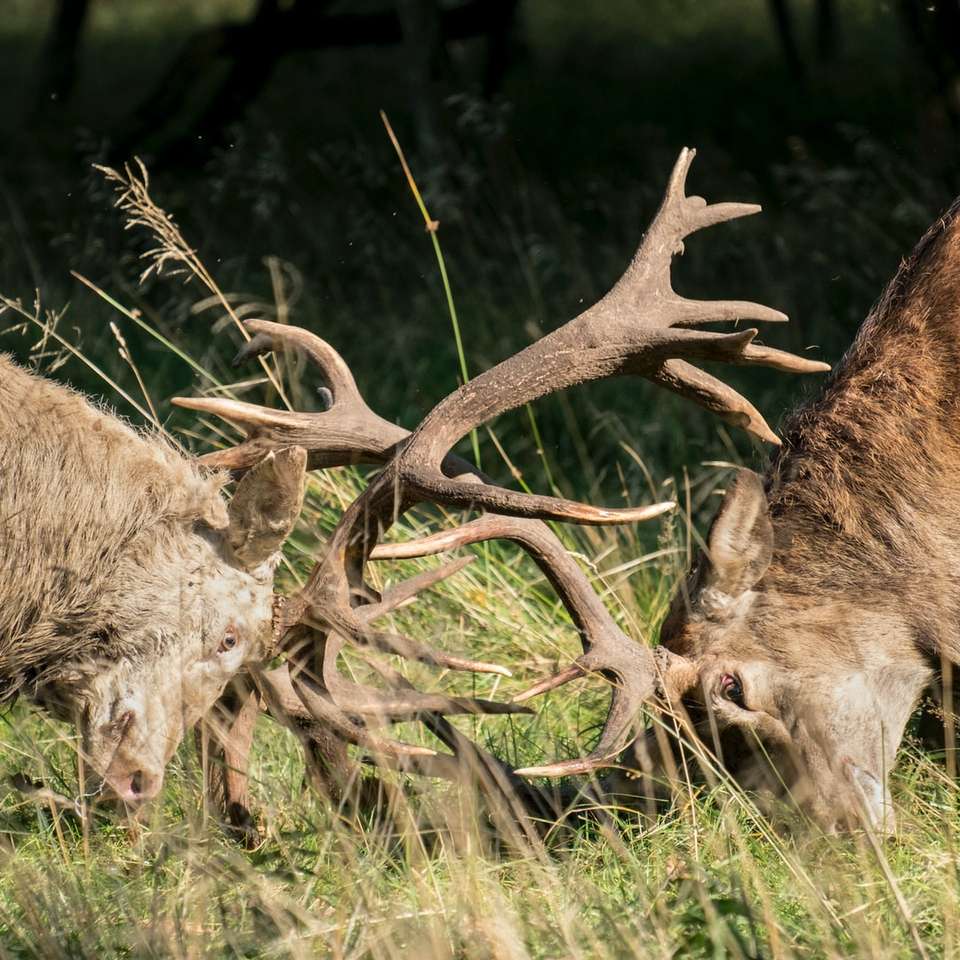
x=823, y=604
x=132, y=592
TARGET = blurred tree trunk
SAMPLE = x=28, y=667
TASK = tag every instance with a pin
x=934, y=30
x=428, y=66
x=250, y=51
x=500, y=45
x=824, y=30
x=60, y=54
x=787, y=34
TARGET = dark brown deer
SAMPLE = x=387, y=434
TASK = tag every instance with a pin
x=827, y=596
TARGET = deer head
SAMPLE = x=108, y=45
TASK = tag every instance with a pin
x=799, y=694
x=189, y=604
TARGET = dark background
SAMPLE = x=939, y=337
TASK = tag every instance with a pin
x=541, y=134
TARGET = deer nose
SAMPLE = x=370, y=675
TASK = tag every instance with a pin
x=136, y=787
x=871, y=798
x=145, y=785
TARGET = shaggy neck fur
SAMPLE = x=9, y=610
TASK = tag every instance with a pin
x=864, y=494
x=88, y=505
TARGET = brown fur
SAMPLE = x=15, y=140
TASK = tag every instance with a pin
x=829, y=592
x=90, y=506
x=862, y=493
x=129, y=593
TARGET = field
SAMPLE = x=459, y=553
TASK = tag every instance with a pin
x=535, y=221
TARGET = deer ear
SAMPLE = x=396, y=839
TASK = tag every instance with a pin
x=740, y=542
x=265, y=506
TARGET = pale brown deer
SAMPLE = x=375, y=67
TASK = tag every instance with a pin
x=130, y=591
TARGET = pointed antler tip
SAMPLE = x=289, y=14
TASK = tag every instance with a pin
x=566, y=768
x=677, y=186
x=573, y=672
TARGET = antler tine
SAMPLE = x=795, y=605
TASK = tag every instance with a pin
x=678, y=217
x=267, y=335
x=636, y=677
x=573, y=672
x=319, y=707
x=434, y=487
x=347, y=432
x=780, y=360
x=693, y=383
x=404, y=702
x=404, y=646
x=475, y=765
x=723, y=311
x=412, y=650
x=473, y=532
x=406, y=590
x=355, y=628
x=677, y=184
x=357, y=701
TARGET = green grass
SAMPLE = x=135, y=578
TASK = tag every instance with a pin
x=708, y=878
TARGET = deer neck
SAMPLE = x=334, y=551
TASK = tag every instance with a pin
x=865, y=493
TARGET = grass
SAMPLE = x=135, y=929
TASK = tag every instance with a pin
x=708, y=878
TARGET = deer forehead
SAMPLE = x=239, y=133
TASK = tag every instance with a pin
x=721, y=607
x=220, y=581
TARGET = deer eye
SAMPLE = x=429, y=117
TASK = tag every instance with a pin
x=229, y=641
x=732, y=689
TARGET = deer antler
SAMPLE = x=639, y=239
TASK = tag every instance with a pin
x=347, y=432
x=641, y=327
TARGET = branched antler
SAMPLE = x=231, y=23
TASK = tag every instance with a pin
x=348, y=432
x=641, y=327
